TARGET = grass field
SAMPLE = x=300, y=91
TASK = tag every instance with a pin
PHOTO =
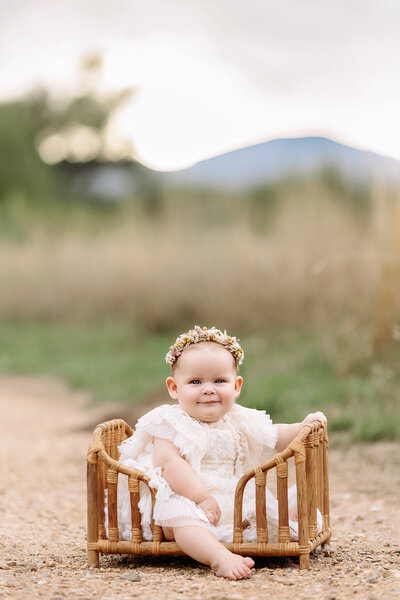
x=313, y=262
x=309, y=281
x=287, y=373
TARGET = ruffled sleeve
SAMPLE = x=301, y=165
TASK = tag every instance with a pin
x=171, y=423
x=260, y=433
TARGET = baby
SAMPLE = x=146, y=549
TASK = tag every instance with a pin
x=196, y=451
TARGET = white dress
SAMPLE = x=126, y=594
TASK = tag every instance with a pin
x=218, y=452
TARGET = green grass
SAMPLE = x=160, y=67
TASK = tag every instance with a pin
x=287, y=374
x=290, y=375
x=110, y=359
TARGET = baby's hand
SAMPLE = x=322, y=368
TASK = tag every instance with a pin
x=317, y=416
x=211, y=509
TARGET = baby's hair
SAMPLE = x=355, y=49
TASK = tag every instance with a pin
x=197, y=335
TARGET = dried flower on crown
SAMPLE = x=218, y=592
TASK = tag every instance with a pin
x=198, y=334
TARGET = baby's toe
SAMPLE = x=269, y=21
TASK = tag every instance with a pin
x=236, y=574
x=243, y=571
x=249, y=562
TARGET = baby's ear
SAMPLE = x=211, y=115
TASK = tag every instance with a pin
x=238, y=384
x=172, y=387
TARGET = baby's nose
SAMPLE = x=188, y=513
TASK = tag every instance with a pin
x=209, y=389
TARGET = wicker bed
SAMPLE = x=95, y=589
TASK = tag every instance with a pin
x=309, y=450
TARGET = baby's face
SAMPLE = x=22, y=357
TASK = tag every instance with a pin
x=205, y=381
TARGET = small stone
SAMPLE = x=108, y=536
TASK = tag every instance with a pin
x=132, y=577
x=11, y=563
x=373, y=579
x=332, y=596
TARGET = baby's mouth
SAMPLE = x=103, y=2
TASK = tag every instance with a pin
x=213, y=401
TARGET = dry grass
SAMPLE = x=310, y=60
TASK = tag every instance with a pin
x=316, y=263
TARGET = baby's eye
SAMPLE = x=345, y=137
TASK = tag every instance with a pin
x=219, y=381
x=195, y=381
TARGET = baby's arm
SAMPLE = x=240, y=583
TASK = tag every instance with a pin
x=286, y=432
x=183, y=480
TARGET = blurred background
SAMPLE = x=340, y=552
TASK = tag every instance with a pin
x=165, y=164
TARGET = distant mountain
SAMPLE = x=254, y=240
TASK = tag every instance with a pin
x=263, y=163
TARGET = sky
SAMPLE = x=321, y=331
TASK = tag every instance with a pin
x=210, y=76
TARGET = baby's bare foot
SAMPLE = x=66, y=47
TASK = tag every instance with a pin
x=293, y=515
x=232, y=566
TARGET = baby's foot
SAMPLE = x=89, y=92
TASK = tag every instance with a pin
x=293, y=516
x=231, y=565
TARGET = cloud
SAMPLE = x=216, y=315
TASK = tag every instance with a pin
x=212, y=75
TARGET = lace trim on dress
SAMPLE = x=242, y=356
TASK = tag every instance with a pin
x=168, y=422
x=258, y=432
x=255, y=434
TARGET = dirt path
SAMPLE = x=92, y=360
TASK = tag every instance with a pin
x=42, y=519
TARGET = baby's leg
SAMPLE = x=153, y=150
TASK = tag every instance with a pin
x=202, y=545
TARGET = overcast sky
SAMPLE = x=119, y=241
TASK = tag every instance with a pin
x=213, y=75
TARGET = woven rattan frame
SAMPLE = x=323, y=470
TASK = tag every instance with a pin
x=310, y=452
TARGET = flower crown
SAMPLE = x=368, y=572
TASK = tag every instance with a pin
x=196, y=335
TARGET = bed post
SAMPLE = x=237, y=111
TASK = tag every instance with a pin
x=92, y=521
x=302, y=508
x=326, y=515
